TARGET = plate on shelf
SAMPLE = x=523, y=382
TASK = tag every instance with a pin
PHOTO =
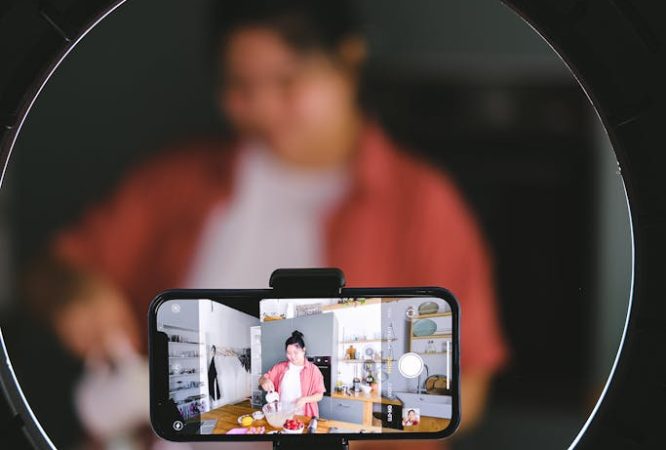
x=424, y=327
x=442, y=333
x=428, y=308
x=369, y=352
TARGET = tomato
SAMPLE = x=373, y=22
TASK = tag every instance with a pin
x=293, y=424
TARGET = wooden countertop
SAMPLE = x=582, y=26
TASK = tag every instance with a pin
x=372, y=397
x=227, y=418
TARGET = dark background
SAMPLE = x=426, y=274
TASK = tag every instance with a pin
x=466, y=84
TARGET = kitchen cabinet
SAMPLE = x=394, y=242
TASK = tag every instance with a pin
x=325, y=407
x=273, y=336
x=346, y=410
x=319, y=333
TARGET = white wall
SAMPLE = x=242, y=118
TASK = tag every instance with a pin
x=394, y=313
x=179, y=313
x=359, y=321
x=226, y=327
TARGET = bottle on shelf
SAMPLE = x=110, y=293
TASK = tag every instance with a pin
x=390, y=333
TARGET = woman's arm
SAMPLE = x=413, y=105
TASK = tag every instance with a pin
x=266, y=383
x=317, y=386
x=309, y=399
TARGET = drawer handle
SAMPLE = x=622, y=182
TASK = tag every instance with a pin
x=344, y=406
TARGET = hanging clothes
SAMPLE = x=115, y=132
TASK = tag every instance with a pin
x=213, y=385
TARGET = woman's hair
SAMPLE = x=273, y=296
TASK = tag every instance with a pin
x=304, y=24
x=296, y=338
x=411, y=411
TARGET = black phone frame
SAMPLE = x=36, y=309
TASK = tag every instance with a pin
x=159, y=366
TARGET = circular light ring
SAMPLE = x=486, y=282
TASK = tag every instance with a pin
x=614, y=48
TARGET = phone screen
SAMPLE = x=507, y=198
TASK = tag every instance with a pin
x=349, y=365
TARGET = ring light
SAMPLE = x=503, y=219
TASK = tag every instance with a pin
x=616, y=51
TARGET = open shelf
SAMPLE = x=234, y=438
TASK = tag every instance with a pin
x=365, y=341
x=429, y=316
x=437, y=336
x=363, y=361
x=357, y=304
x=191, y=388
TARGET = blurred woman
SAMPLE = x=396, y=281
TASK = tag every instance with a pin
x=308, y=180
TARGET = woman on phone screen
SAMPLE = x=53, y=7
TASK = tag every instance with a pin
x=296, y=380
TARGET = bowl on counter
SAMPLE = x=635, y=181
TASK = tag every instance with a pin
x=295, y=427
x=277, y=413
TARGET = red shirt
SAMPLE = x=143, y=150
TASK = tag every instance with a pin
x=402, y=224
x=312, y=382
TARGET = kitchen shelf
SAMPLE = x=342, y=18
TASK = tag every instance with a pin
x=431, y=353
x=192, y=388
x=187, y=343
x=176, y=327
x=181, y=403
x=183, y=375
x=363, y=361
x=184, y=357
x=446, y=335
x=368, y=301
x=439, y=336
x=365, y=341
x=429, y=316
x=356, y=304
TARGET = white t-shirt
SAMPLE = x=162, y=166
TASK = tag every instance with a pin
x=290, y=386
x=274, y=219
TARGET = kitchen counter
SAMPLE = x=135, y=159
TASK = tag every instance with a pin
x=368, y=399
x=372, y=397
x=426, y=424
x=227, y=418
x=429, y=425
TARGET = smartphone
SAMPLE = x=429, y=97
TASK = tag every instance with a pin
x=364, y=363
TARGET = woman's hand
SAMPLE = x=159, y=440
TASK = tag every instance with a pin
x=92, y=320
x=300, y=403
x=266, y=384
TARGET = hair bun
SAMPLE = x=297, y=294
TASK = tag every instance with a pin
x=296, y=339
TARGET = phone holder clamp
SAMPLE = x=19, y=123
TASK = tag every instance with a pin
x=324, y=282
